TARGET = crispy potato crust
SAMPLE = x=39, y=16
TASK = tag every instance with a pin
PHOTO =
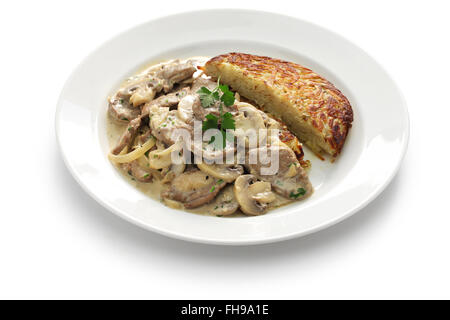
x=312, y=107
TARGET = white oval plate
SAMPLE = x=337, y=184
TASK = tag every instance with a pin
x=370, y=159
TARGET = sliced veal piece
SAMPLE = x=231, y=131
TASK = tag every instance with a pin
x=287, y=178
x=312, y=107
x=142, y=88
x=193, y=188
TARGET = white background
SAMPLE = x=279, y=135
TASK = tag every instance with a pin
x=56, y=242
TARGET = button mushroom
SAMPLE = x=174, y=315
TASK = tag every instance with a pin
x=253, y=196
x=248, y=120
x=225, y=203
x=226, y=172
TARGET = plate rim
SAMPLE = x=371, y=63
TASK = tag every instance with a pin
x=377, y=190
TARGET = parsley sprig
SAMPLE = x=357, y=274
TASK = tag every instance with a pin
x=224, y=96
x=220, y=93
x=207, y=97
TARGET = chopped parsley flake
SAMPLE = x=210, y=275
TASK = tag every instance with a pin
x=300, y=192
x=216, y=184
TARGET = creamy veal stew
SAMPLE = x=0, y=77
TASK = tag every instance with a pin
x=175, y=96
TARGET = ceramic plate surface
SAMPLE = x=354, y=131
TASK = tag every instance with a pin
x=370, y=158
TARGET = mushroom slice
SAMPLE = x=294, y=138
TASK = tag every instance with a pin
x=261, y=192
x=250, y=117
x=157, y=116
x=226, y=172
x=253, y=196
x=193, y=188
x=248, y=120
x=165, y=101
x=184, y=110
x=225, y=203
x=140, y=89
x=142, y=96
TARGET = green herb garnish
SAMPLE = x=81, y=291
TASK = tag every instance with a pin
x=220, y=93
x=224, y=121
x=207, y=97
x=216, y=184
x=300, y=192
x=227, y=96
x=211, y=122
